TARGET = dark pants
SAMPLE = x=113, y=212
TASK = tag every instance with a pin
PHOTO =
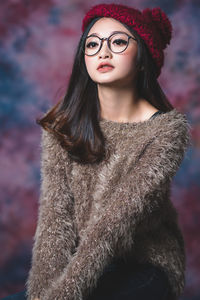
x=126, y=282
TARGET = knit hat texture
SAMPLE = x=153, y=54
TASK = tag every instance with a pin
x=153, y=26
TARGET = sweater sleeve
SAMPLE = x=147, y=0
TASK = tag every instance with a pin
x=128, y=205
x=54, y=239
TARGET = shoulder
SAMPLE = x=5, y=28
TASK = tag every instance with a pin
x=171, y=120
x=51, y=147
x=169, y=129
x=172, y=126
x=49, y=142
x=48, y=139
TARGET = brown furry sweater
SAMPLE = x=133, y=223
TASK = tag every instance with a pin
x=121, y=208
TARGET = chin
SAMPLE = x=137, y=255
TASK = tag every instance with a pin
x=108, y=80
x=117, y=81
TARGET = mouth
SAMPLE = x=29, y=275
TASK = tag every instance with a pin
x=105, y=68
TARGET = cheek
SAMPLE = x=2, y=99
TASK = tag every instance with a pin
x=89, y=63
x=86, y=60
x=128, y=59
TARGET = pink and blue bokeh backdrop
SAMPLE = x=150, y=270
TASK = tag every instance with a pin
x=37, y=46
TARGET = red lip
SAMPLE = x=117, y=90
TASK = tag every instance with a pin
x=104, y=64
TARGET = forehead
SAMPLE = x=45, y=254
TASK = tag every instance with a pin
x=106, y=25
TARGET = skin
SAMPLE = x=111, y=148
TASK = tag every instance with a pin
x=117, y=94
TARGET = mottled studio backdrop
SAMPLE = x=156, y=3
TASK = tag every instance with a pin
x=38, y=39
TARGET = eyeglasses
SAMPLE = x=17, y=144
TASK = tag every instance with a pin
x=117, y=42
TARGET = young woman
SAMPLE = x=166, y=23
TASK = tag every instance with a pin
x=107, y=228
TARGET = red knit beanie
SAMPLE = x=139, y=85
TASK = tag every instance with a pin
x=152, y=25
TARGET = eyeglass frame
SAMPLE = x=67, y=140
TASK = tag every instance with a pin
x=107, y=39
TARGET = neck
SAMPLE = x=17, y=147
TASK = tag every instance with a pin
x=119, y=104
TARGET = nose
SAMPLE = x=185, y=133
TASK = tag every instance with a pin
x=104, y=51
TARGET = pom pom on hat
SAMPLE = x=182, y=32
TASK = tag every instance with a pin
x=152, y=25
x=162, y=23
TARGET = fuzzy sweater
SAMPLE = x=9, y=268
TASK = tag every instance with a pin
x=90, y=215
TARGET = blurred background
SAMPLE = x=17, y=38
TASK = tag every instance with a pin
x=38, y=40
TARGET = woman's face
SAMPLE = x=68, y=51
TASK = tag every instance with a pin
x=124, y=63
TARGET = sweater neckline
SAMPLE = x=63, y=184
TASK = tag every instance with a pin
x=116, y=124
x=113, y=129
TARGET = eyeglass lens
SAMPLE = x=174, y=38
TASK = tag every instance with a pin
x=118, y=43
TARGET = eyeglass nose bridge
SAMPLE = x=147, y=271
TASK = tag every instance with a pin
x=104, y=39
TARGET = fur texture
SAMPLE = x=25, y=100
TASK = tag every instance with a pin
x=121, y=208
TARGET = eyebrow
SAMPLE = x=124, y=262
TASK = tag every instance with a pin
x=110, y=32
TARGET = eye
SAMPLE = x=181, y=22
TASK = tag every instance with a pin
x=120, y=42
x=91, y=45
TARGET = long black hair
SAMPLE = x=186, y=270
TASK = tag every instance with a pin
x=74, y=120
